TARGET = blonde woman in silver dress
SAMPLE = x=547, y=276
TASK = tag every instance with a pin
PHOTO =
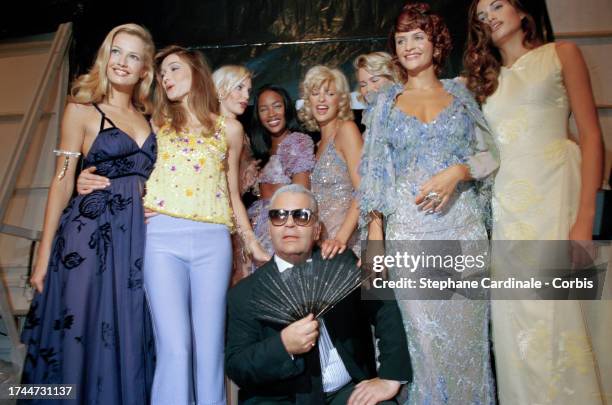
x=327, y=109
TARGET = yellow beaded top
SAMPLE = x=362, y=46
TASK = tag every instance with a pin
x=190, y=176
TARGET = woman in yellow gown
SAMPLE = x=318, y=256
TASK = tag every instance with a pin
x=544, y=190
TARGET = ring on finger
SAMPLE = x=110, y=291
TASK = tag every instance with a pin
x=434, y=196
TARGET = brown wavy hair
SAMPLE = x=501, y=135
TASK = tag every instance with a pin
x=482, y=60
x=94, y=87
x=202, y=95
x=419, y=16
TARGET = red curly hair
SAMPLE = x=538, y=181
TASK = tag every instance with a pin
x=482, y=59
x=419, y=16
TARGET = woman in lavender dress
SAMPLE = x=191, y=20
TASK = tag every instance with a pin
x=327, y=109
x=286, y=156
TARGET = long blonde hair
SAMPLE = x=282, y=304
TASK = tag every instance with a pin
x=202, y=95
x=315, y=78
x=93, y=86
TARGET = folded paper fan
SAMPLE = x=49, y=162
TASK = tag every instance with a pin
x=313, y=287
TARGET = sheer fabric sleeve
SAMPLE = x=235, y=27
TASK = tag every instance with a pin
x=485, y=159
x=377, y=188
x=297, y=155
x=484, y=162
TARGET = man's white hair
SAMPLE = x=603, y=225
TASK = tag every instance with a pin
x=297, y=189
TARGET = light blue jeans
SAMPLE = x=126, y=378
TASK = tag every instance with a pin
x=186, y=277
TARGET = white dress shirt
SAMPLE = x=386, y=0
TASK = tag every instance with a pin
x=333, y=371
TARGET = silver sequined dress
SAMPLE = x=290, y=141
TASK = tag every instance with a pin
x=331, y=184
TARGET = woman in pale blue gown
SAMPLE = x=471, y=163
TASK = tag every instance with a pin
x=424, y=148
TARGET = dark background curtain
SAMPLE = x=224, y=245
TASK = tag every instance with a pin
x=277, y=39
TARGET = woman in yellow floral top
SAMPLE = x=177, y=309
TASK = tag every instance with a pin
x=188, y=254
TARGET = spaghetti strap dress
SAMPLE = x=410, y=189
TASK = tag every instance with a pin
x=90, y=326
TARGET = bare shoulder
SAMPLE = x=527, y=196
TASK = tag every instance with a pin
x=348, y=128
x=78, y=121
x=348, y=133
x=567, y=51
x=233, y=126
x=80, y=111
x=81, y=115
x=234, y=130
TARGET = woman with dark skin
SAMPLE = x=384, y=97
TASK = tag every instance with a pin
x=285, y=154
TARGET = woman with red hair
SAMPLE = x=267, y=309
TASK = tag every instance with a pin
x=424, y=147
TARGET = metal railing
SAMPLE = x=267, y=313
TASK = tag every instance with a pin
x=55, y=64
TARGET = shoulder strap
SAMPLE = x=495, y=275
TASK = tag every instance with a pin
x=221, y=123
x=104, y=118
x=219, y=128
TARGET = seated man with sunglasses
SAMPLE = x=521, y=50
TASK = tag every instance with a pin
x=328, y=361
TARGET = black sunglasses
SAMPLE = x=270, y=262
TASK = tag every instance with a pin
x=301, y=216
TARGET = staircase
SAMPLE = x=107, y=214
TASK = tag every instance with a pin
x=33, y=87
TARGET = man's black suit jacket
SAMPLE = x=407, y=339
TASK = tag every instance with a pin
x=258, y=362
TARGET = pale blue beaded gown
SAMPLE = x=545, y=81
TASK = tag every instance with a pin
x=448, y=339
